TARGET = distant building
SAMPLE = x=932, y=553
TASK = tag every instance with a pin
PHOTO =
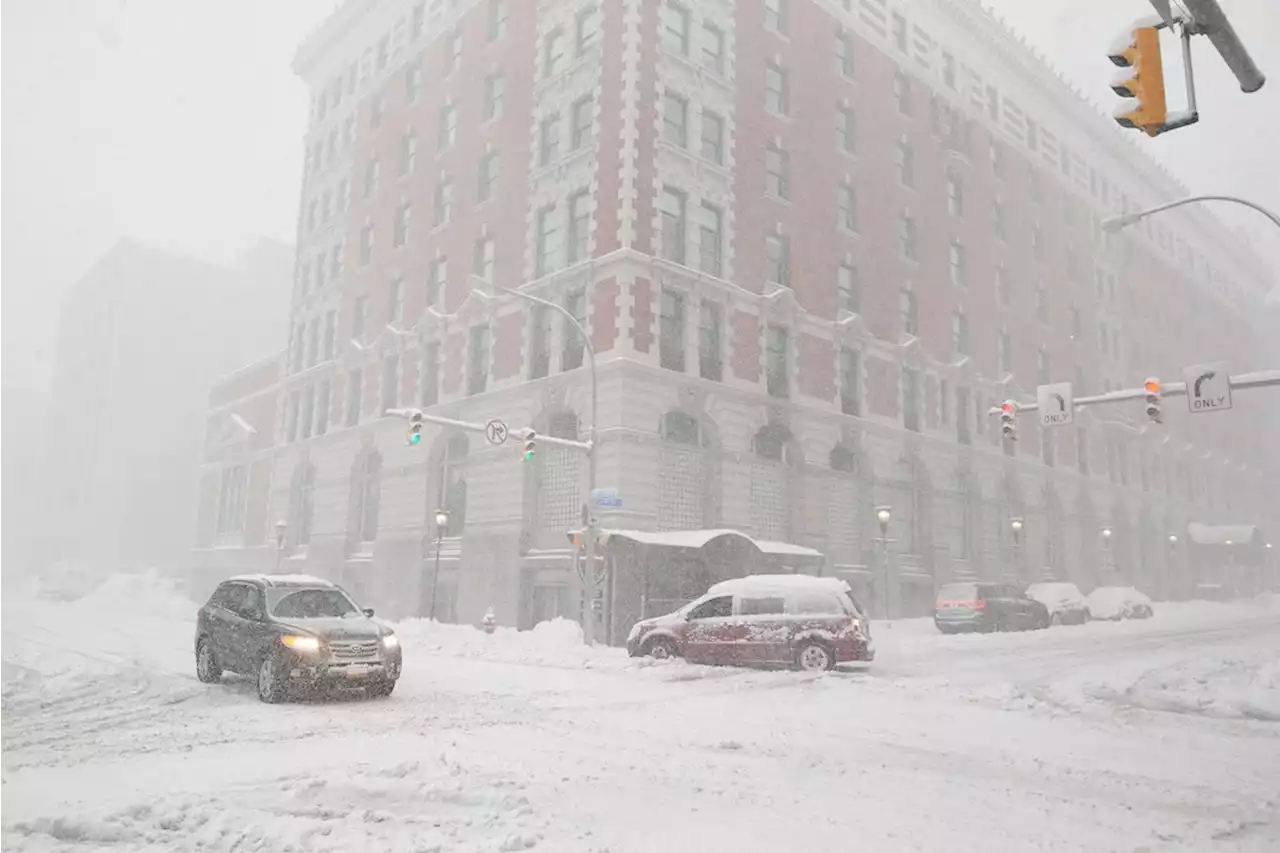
x=141, y=339
x=813, y=242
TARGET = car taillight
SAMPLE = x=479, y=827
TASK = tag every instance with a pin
x=980, y=604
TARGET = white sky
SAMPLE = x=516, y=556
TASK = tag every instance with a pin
x=179, y=123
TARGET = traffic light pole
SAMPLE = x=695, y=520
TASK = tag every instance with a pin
x=1239, y=382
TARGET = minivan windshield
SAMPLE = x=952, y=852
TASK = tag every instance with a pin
x=310, y=604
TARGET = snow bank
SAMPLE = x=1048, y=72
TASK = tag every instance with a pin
x=558, y=642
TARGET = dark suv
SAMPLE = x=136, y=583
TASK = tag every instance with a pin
x=987, y=607
x=293, y=633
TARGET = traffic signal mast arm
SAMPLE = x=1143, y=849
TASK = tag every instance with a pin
x=1257, y=379
x=408, y=414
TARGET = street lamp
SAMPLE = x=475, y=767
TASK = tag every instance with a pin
x=1115, y=223
x=281, y=527
x=1016, y=524
x=1106, y=549
x=589, y=534
x=884, y=514
x=442, y=522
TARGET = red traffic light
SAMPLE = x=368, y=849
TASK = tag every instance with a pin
x=1007, y=407
x=1152, y=386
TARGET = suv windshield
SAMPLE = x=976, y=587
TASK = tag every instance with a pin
x=312, y=604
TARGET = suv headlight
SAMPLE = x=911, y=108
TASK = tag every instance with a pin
x=301, y=644
x=390, y=641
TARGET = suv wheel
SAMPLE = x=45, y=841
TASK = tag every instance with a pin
x=207, y=668
x=1056, y=618
x=815, y=657
x=271, y=687
x=381, y=689
x=662, y=648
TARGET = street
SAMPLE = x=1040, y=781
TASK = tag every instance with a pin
x=1161, y=735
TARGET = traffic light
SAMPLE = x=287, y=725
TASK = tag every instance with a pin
x=1008, y=422
x=415, y=429
x=1152, y=387
x=1140, y=81
x=527, y=454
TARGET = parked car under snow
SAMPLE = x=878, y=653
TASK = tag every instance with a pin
x=1064, y=600
x=1119, y=602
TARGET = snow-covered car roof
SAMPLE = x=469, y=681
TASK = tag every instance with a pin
x=283, y=580
x=780, y=584
x=1118, y=593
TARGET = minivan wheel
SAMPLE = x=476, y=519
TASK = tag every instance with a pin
x=662, y=648
x=815, y=657
x=271, y=686
x=207, y=669
x=1056, y=619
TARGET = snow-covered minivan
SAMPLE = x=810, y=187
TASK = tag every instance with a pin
x=803, y=621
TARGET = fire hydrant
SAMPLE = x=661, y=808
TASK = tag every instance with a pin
x=490, y=622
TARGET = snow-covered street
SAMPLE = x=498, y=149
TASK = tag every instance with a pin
x=1160, y=735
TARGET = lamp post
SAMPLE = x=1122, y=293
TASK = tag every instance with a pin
x=442, y=521
x=281, y=528
x=884, y=514
x=590, y=531
x=1173, y=556
x=1106, y=549
x=1113, y=224
x=1015, y=524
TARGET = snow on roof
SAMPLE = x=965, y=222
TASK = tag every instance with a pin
x=699, y=538
x=778, y=583
x=1205, y=534
x=283, y=580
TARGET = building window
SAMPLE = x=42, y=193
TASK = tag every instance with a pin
x=369, y=488
x=400, y=233
x=775, y=89
x=390, y=381
x=355, y=395
x=322, y=408
x=850, y=381
x=478, y=360
x=847, y=295
x=675, y=119
x=495, y=87
x=488, y=176
x=906, y=162
x=412, y=82
x=777, y=180
x=375, y=112
x=776, y=370
x=330, y=335
x=775, y=15
x=416, y=25
x=911, y=399
x=1042, y=304
x=497, y=19
x=448, y=127
x=539, y=342
x=675, y=28
x=553, y=58
x=578, y=247
x=845, y=130
x=313, y=343
x=548, y=240
x=231, y=501
x=712, y=47
x=958, y=262
x=1044, y=369
x=673, y=225
x=359, y=317
x=848, y=208
x=1005, y=353
x=582, y=115
x=955, y=195
x=586, y=29
x=909, y=309
x=452, y=53
x=366, y=245
x=900, y=32
x=371, y=178
x=671, y=330
x=907, y=236
x=777, y=259
x=844, y=54
x=395, y=301
x=999, y=221
x=709, y=239
x=408, y=152
x=335, y=261
x=959, y=334
x=438, y=277
x=444, y=200
x=429, y=391
x=1004, y=291
x=482, y=258
x=949, y=70
x=549, y=140
x=710, y=320
x=902, y=92
x=1037, y=243
x=712, y=137
x=575, y=302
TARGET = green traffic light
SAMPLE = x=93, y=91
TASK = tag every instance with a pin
x=528, y=456
x=415, y=437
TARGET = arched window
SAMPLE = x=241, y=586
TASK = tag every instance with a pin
x=771, y=442
x=843, y=459
x=771, y=492
x=368, y=496
x=452, y=477
x=683, y=484
x=680, y=428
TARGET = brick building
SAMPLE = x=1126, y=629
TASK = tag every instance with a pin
x=812, y=242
